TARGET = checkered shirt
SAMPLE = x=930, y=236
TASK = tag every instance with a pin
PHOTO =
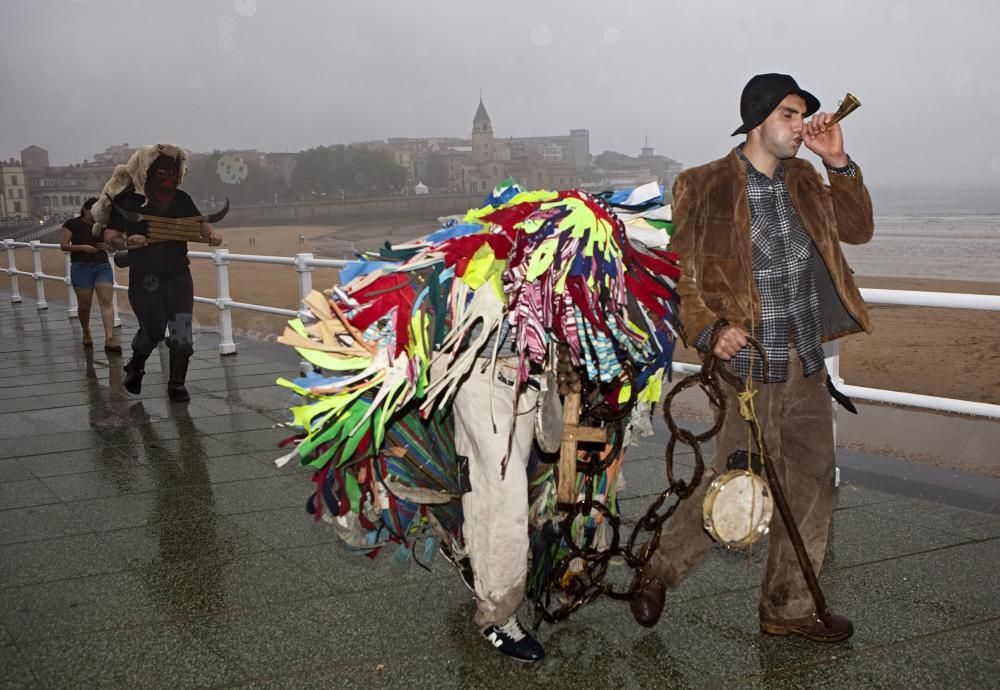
x=782, y=270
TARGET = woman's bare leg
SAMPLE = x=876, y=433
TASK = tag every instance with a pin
x=84, y=299
x=105, y=292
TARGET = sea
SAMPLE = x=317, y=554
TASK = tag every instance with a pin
x=932, y=232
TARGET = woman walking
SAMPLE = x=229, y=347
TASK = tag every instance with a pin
x=90, y=272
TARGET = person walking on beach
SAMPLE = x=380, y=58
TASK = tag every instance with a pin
x=90, y=272
x=758, y=239
x=160, y=289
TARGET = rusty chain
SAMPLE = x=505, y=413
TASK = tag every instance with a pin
x=591, y=582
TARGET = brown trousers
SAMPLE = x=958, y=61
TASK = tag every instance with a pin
x=796, y=417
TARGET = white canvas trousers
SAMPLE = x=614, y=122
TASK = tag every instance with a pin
x=496, y=510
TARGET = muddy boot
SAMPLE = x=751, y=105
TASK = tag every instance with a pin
x=178, y=373
x=134, y=372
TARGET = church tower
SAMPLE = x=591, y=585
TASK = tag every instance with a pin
x=482, y=135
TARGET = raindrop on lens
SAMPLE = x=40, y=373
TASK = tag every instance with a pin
x=541, y=35
x=960, y=76
x=226, y=25
x=245, y=8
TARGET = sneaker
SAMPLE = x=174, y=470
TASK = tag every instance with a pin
x=464, y=566
x=510, y=639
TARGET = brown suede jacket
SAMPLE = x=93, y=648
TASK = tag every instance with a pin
x=712, y=240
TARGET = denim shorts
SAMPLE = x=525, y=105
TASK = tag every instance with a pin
x=83, y=275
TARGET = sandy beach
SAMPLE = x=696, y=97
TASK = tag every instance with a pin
x=952, y=353
x=945, y=352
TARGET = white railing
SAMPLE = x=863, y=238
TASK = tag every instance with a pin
x=305, y=263
x=220, y=258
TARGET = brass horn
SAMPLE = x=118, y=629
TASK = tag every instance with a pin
x=847, y=106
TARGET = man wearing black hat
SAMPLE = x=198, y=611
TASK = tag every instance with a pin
x=758, y=238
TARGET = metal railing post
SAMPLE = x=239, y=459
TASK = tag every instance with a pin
x=305, y=287
x=74, y=305
x=15, y=294
x=227, y=346
x=831, y=353
x=305, y=282
x=36, y=257
x=114, y=305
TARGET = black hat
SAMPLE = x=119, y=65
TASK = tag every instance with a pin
x=763, y=93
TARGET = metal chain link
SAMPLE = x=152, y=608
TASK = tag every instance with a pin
x=591, y=582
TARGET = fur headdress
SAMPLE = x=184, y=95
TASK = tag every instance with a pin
x=133, y=174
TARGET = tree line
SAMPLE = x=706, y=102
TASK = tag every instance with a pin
x=324, y=172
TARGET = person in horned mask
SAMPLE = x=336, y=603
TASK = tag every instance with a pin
x=160, y=289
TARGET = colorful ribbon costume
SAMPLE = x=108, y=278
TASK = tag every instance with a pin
x=556, y=267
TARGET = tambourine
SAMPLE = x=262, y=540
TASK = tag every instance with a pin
x=737, y=509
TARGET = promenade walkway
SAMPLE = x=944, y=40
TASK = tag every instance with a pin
x=147, y=544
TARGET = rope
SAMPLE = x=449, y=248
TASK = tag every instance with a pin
x=749, y=413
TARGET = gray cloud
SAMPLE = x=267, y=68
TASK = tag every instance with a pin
x=84, y=74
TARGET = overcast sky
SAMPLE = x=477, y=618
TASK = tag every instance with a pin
x=278, y=75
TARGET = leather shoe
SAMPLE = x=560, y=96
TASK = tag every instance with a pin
x=811, y=626
x=647, y=604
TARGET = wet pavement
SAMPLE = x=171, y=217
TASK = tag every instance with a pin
x=149, y=544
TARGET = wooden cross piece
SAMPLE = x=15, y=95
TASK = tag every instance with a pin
x=182, y=229
x=573, y=434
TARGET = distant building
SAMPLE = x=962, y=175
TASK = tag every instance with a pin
x=535, y=172
x=408, y=153
x=403, y=159
x=474, y=165
x=482, y=135
x=114, y=155
x=666, y=168
x=619, y=171
x=536, y=162
x=573, y=149
x=13, y=191
x=478, y=163
x=34, y=158
x=61, y=190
